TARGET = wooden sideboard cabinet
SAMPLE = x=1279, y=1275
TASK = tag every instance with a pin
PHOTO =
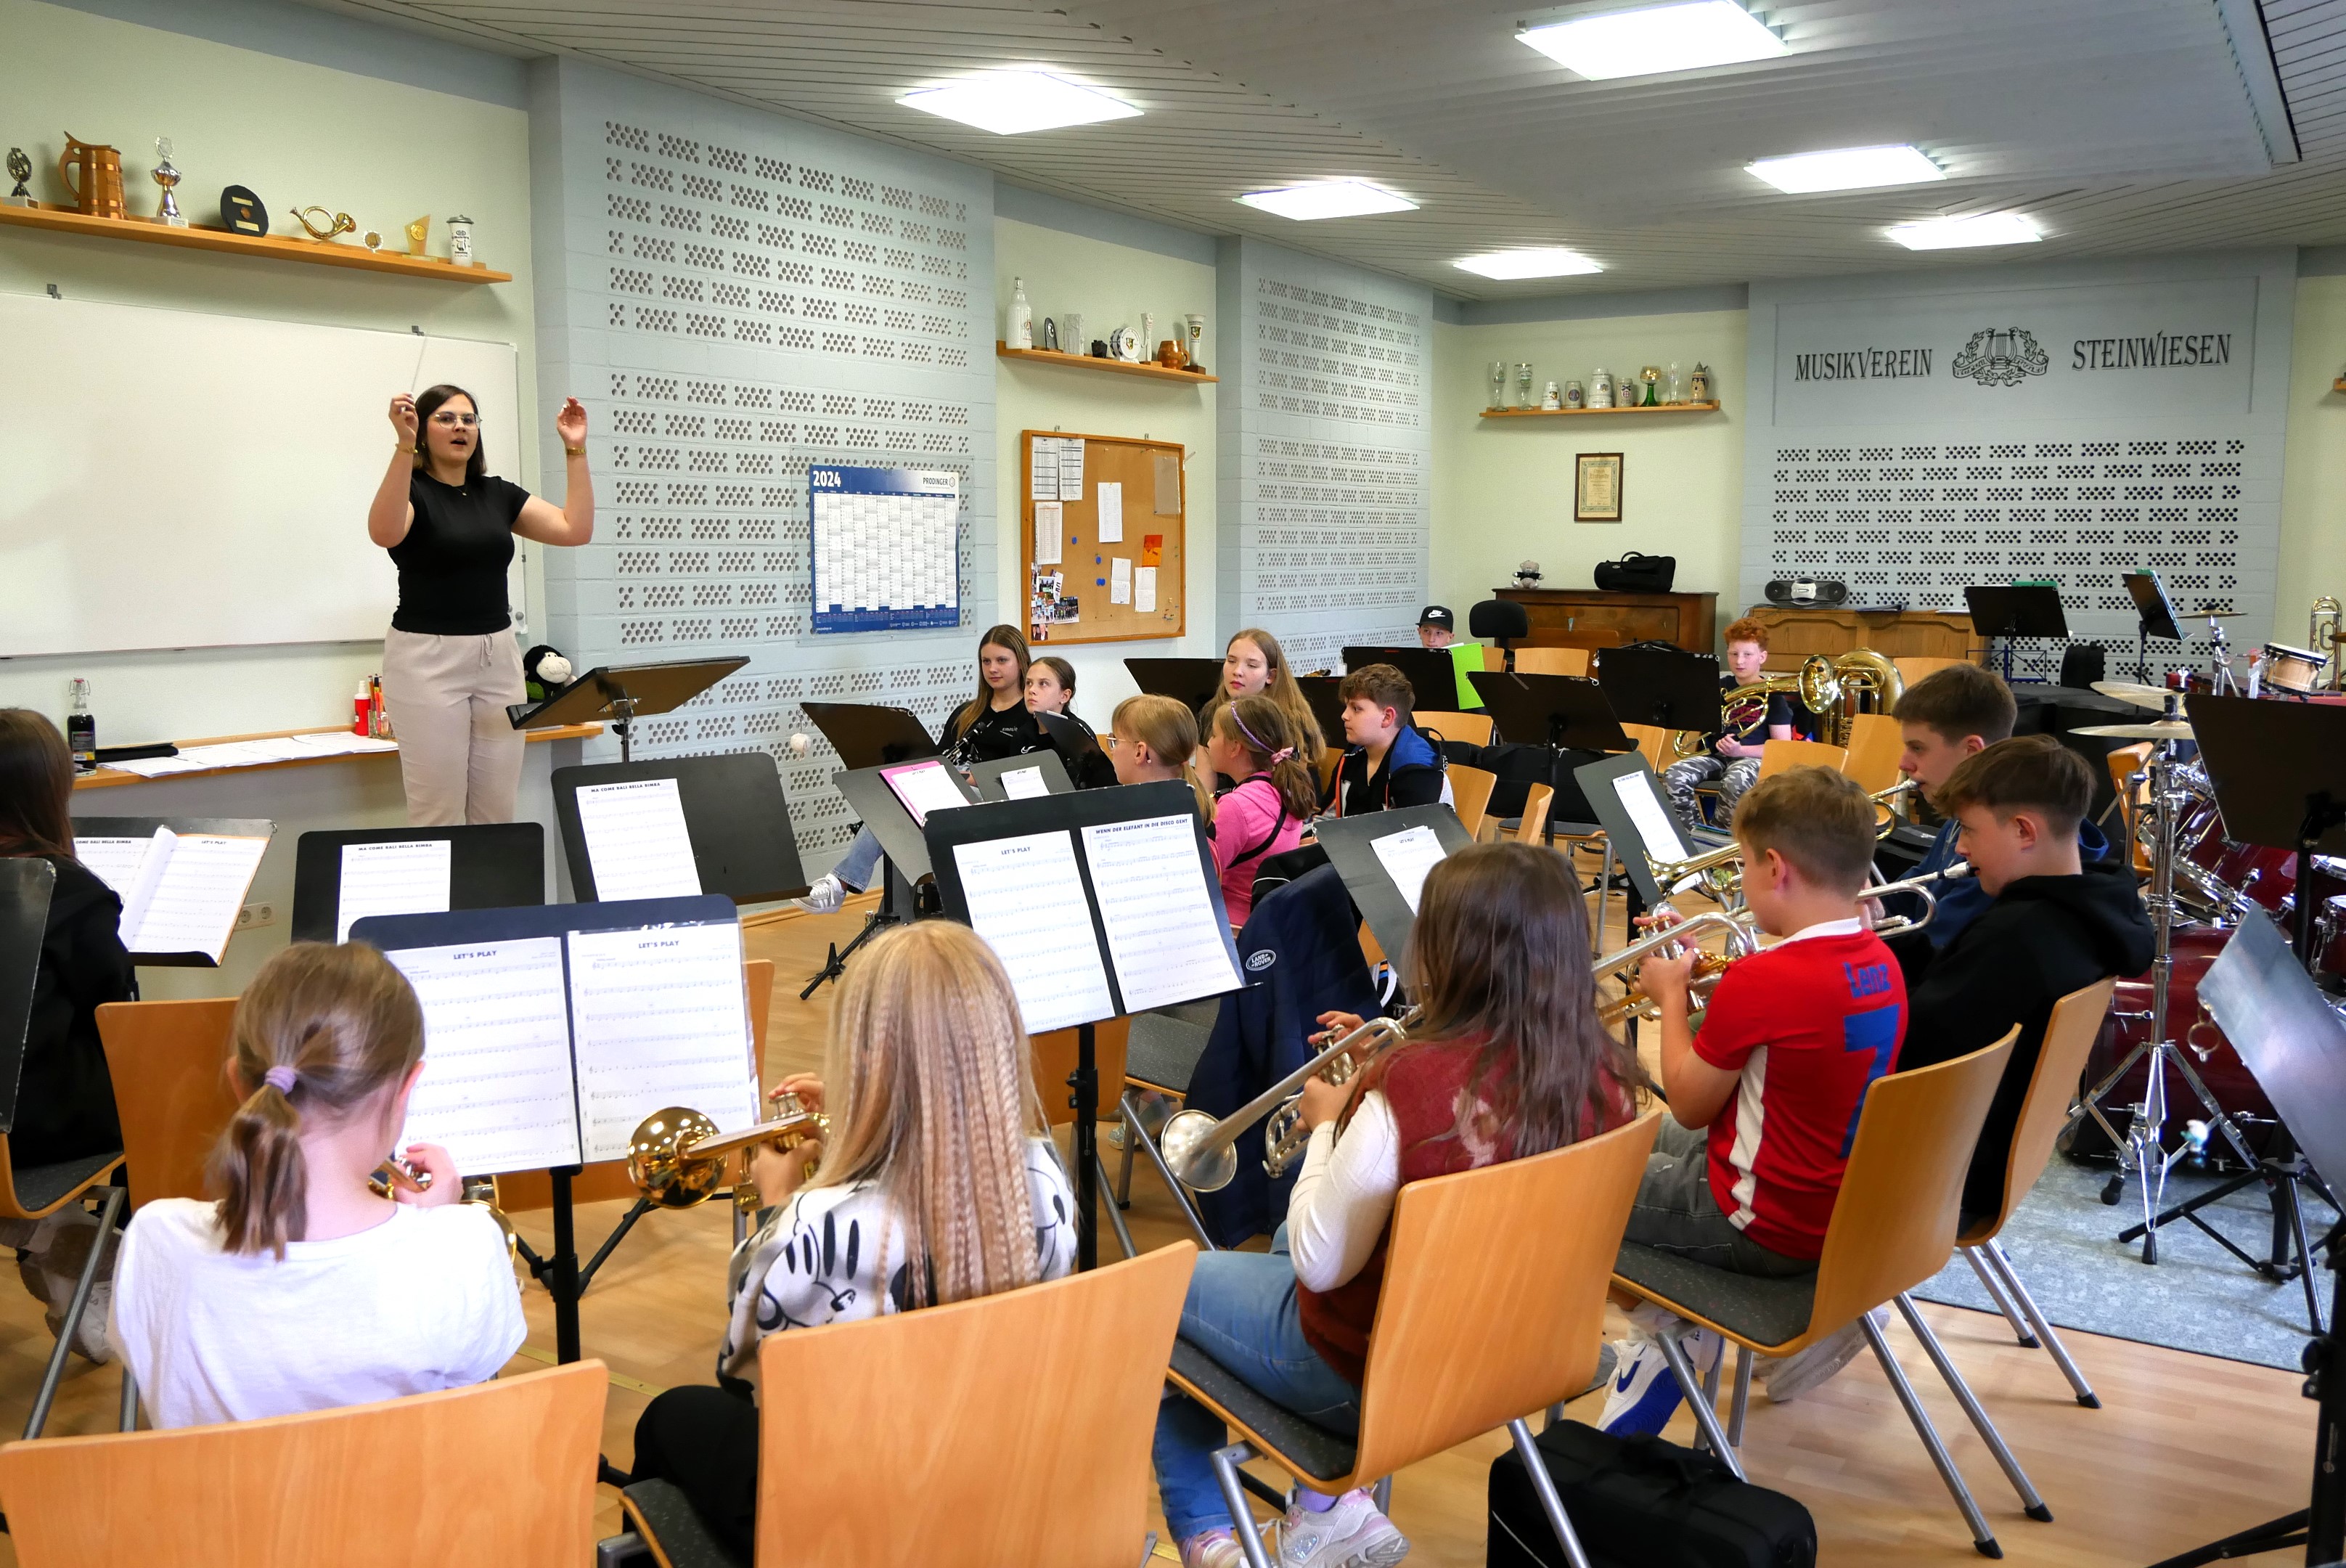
x=1592, y=618
x=1795, y=632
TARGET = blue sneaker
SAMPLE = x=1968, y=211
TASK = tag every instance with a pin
x=1644, y=1395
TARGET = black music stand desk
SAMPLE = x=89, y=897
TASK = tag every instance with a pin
x=2013, y=610
x=1351, y=846
x=734, y=813
x=27, y=883
x=621, y=694
x=1190, y=681
x=1320, y=694
x=491, y=865
x=1636, y=834
x=1050, y=771
x=1432, y=673
x=1552, y=710
x=1664, y=686
x=868, y=735
x=2156, y=612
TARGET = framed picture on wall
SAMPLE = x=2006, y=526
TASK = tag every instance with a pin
x=1596, y=488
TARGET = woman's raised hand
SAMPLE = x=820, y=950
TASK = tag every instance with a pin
x=570, y=422
x=403, y=418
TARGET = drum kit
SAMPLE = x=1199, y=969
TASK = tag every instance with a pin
x=2202, y=883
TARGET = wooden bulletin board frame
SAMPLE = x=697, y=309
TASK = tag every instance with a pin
x=1085, y=566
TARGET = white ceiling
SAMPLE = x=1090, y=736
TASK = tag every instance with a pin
x=2125, y=126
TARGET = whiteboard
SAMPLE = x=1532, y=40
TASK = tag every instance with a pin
x=170, y=479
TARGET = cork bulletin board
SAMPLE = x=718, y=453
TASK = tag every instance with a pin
x=1104, y=547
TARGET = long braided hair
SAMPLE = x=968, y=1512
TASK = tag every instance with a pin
x=933, y=1101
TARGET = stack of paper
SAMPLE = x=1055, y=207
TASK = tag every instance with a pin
x=256, y=753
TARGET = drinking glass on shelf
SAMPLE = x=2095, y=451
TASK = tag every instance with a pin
x=1498, y=383
x=1523, y=383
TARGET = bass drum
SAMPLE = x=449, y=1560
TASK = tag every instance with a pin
x=2204, y=1046
x=2217, y=865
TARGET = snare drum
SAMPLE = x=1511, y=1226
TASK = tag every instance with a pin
x=2293, y=670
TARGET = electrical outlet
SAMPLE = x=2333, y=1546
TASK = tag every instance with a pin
x=251, y=915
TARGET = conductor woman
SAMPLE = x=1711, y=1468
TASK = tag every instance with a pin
x=450, y=664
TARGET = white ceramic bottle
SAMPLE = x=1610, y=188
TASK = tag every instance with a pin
x=1021, y=316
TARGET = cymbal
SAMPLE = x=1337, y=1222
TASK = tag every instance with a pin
x=2215, y=614
x=2160, y=729
x=2151, y=697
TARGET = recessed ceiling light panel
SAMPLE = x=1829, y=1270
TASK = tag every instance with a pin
x=1654, y=39
x=1847, y=168
x=1327, y=198
x=1956, y=233
x=1011, y=101
x=1536, y=261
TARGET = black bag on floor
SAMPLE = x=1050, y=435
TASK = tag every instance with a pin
x=1642, y=1502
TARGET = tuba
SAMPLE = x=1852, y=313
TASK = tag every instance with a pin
x=678, y=1158
x=2326, y=636
x=1865, y=676
x=1814, y=683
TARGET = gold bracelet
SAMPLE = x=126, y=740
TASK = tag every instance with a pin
x=578, y=450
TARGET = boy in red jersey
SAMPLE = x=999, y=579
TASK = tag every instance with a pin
x=1764, y=1101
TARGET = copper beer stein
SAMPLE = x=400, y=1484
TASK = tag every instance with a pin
x=99, y=191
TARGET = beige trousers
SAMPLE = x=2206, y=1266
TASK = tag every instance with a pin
x=459, y=755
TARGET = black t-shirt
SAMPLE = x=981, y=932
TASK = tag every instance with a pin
x=1779, y=711
x=995, y=733
x=452, y=565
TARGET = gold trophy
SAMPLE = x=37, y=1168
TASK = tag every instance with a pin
x=415, y=233
x=20, y=170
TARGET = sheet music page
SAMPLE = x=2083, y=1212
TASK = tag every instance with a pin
x=924, y=787
x=1023, y=783
x=1646, y=814
x=198, y=895
x=114, y=861
x=410, y=877
x=1406, y=857
x=1027, y=900
x=660, y=1019
x=497, y=1090
x=636, y=841
x=1168, y=940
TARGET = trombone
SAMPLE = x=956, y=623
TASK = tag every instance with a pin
x=1201, y=1149
x=678, y=1158
x=1717, y=870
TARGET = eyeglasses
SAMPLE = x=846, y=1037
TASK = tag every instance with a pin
x=1107, y=742
x=447, y=420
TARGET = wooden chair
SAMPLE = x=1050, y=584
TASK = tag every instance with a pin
x=1552, y=661
x=1473, y=728
x=1035, y=1412
x=2060, y=1063
x=1531, y=828
x=1910, y=670
x=2131, y=784
x=1778, y=754
x=1330, y=759
x=1893, y=1226
x=1876, y=742
x=294, y=1490
x=1653, y=743
x=1470, y=796
x=1494, y=1304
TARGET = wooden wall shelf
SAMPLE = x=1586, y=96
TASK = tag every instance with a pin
x=57, y=220
x=1600, y=413
x=1086, y=362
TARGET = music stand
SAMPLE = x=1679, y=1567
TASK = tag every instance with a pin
x=1660, y=685
x=1052, y=772
x=734, y=813
x=1636, y=816
x=621, y=694
x=2294, y=1045
x=1553, y=710
x=866, y=735
x=905, y=858
x=27, y=884
x=1071, y=741
x=2011, y=610
x=1432, y=673
x=1320, y=694
x=1189, y=681
x=491, y=865
x=2155, y=611
x=1070, y=814
x=187, y=827
x=1351, y=846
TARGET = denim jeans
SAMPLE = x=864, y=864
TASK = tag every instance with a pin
x=1242, y=1310
x=863, y=858
x=1674, y=1210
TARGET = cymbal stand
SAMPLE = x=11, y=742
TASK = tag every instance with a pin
x=2142, y=1150
x=2221, y=681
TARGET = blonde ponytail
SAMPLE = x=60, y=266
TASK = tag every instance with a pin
x=1168, y=728
x=321, y=1032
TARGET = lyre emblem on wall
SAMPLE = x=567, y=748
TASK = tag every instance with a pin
x=2001, y=357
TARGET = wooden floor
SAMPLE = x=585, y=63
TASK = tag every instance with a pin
x=2185, y=1447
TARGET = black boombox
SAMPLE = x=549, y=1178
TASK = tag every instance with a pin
x=1807, y=591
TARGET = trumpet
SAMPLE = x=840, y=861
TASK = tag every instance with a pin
x=678, y=1158
x=1202, y=1149
x=1893, y=804
x=1742, y=940
x=1713, y=867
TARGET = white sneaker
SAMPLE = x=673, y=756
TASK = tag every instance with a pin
x=1645, y=1395
x=825, y=897
x=1352, y=1534
x=1214, y=1549
x=1790, y=1376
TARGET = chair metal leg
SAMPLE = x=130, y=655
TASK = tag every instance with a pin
x=1382, y=1495
x=130, y=1398
x=55, y=1372
x=2053, y=1345
x=1148, y=1543
x=1745, y=1362
x=1124, y=1165
x=1226, y=1474
x=1982, y=1538
x=2029, y=1501
x=1173, y=1182
x=1115, y=1214
x=1706, y=1416
x=1995, y=1293
x=1543, y=1488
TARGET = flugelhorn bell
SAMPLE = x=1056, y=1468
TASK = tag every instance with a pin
x=1201, y=1149
x=678, y=1158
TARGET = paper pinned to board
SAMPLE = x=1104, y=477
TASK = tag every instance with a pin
x=1111, y=512
x=1144, y=590
x=1071, y=468
x=1043, y=455
x=1119, y=580
x=1050, y=523
x=1168, y=485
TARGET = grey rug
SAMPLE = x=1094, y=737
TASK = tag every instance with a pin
x=2197, y=1298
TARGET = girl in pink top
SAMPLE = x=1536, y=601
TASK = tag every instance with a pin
x=1253, y=741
